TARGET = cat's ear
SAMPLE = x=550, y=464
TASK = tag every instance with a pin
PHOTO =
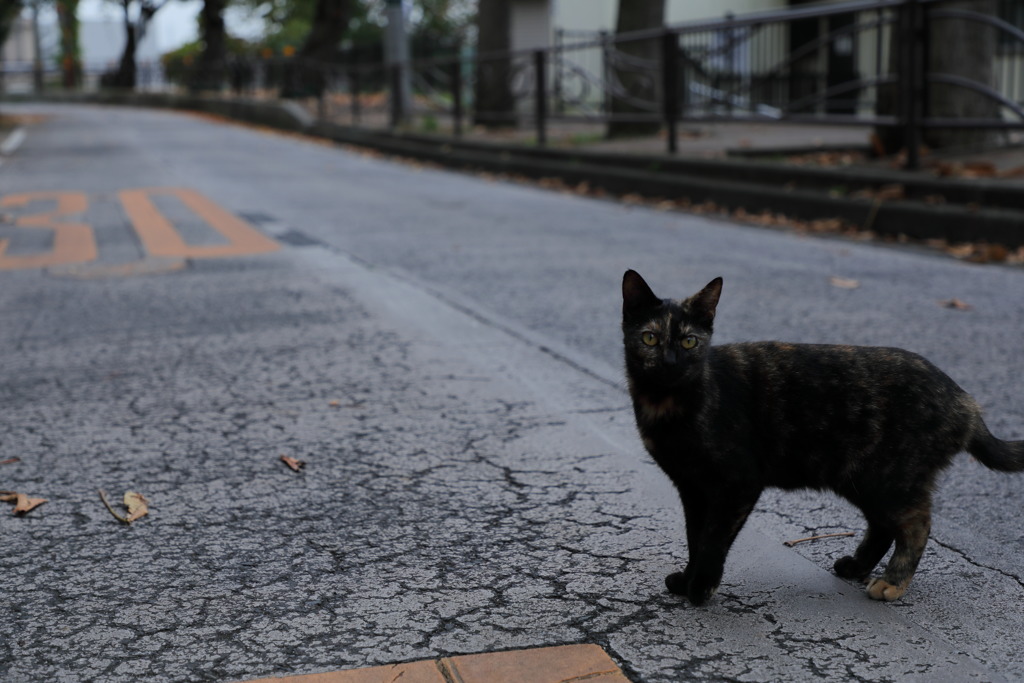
x=636, y=294
x=705, y=301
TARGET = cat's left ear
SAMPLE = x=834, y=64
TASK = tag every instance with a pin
x=705, y=302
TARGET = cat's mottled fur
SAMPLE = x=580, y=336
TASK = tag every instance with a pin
x=874, y=425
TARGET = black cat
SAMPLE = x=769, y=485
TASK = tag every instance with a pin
x=874, y=425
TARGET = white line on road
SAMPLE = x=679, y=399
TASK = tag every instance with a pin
x=13, y=141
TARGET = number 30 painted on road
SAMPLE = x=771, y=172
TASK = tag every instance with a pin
x=72, y=242
x=75, y=242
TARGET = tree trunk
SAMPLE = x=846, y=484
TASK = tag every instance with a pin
x=305, y=75
x=633, y=81
x=209, y=71
x=495, y=104
x=960, y=48
x=124, y=77
x=9, y=10
x=70, y=64
x=973, y=58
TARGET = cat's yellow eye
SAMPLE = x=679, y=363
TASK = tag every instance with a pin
x=649, y=338
x=689, y=342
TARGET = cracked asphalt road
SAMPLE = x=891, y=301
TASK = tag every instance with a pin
x=443, y=352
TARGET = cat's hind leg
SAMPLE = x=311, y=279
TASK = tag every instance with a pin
x=873, y=547
x=912, y=527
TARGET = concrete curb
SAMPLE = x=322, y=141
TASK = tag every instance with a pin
x=970, y=211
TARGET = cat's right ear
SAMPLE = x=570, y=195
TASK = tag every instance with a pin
x=636, y=294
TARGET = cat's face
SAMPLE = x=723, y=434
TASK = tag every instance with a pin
x=666, y=341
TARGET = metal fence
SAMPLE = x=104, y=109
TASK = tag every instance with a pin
x=866, y=62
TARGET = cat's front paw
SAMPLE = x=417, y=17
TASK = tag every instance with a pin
x=880, y=589
x=697, y=587
x=699, y=592
x=849, y=568
x=678, y=583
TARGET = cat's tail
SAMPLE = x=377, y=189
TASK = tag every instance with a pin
x=994, y=453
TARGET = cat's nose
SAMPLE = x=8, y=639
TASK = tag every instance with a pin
x=671, y=357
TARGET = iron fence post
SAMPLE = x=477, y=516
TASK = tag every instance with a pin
x=457, y=98
x=557, y=88
x=321, y=97
x=395, y=72
x=912, y=66
x=670, y=86
x=353, y=89
x=540, y=76
x=607, y=70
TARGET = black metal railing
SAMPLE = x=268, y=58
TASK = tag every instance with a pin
x=864, y=62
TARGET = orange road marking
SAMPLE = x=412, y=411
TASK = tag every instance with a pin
x=557, y=664
x=72, y=242
x=160, y=239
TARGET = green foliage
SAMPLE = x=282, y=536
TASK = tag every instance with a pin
x=442, y=21
x=288, y=22
x=177, y=63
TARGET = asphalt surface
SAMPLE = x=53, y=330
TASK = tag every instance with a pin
x=443, y=352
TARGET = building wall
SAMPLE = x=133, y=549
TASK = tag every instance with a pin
x=19, y=51
x=531, y=24
x=599, y=15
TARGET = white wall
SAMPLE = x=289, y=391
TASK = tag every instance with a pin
x=101, y=43
x=531, y=24
x=679, y=11
x=599, y=15
x=19, y=48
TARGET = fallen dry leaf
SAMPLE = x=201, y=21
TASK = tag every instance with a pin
x=960, y=250
x=137, y=506
x=136, y=503
x=826, y=225
x=979, y=169
x=22, y=503
x=26, y=504
x=980, y=253
x=844, y=283
x=1015, y=172
x=293, y=463
x=956, y=304
x=989, y=253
